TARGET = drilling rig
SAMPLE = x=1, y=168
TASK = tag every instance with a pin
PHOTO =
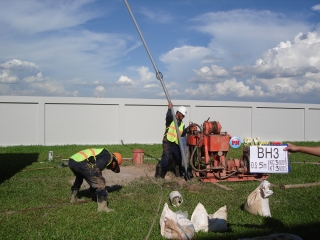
x=208, y=147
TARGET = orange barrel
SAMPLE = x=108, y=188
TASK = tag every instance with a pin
x=138, y=156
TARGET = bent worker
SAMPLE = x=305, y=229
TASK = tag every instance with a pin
x=170, y=143
x=88, y=164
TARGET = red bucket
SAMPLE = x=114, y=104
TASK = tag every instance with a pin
x=138, y=156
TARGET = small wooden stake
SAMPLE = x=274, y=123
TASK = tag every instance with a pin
x=299, y=185
x=222, y=186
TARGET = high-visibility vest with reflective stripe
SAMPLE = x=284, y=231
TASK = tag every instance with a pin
x=172, y=133
x=85, y=154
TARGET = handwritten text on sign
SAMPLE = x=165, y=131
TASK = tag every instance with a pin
x=268, y=159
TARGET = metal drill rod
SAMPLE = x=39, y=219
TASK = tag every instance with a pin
x=159, y=77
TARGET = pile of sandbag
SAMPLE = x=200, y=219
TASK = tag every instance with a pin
x=176, y=225
x=202, y=221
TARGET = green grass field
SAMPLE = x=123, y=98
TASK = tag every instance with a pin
x=34, y=196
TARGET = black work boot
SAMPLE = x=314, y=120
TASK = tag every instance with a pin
x=93, y=195
x=160, y=172
x=74, y=193
x=103, y=204
x=178, y=170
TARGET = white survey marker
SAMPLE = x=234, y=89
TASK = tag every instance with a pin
x=269, y=159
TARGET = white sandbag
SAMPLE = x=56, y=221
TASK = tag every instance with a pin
x=218, y=220
x=257, y=202
x=175, y=225
x=276, y=236
x=200, y=218
x=202, y=221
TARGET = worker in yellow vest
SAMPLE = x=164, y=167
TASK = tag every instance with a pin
x=88, y=164
x=170, y=143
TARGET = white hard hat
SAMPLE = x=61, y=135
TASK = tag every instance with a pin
x=182, y=110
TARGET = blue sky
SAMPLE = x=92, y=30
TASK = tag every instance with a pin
x=225, y=50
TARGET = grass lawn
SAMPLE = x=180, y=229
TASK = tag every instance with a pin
x=37, y=192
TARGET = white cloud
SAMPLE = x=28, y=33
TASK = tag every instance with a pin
x=316, y=7
x=237, y=34
x=96, y=83
x=53, y=88
x=284, y=72
x=15, y=69
x=184, y=54
x=172, y=93
x=36, y=78
x=33, y=17
x=159, y=16
x=229, y=89
x=204, y=90
x=145, y=74
x=75, y=93
x=28, y=80
x=5, y=77
x=234, y=88
x=151, y=85
x=100, y=89
x=181, y=60
x=206, y=74
x=124, y=80
x=99, y=92
x=16, y=64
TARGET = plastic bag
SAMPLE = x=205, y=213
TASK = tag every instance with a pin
x=175, y=225
x=202, y=221
x=257, y=202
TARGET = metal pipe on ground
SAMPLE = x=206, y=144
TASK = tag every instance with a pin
x=299, y=185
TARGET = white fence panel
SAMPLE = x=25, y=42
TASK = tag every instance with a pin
x=18, y=124
x=312, y=124
x=81, y=124
x=278, y=124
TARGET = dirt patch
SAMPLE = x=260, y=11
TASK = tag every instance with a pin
x=128, y=174
x=131, y=173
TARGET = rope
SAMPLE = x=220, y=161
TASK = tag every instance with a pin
x=158, y=209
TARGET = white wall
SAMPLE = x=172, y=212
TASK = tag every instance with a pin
x=61, y=120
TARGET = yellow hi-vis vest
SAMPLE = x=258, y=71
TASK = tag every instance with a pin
x=85, y=154
x=172, y=133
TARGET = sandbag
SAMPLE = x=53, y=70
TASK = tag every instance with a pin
x=276, y=236
x=218, y=220
x=202, y=221
x=257, y=202
x=175, y=225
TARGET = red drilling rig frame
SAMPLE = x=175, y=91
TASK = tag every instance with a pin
x=208, y=148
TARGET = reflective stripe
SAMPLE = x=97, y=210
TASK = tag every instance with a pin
x=172, y=133
x=110, y=161
x=85, y=154
x=92, y=151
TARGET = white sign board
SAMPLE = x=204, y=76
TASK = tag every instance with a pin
x=269, y=159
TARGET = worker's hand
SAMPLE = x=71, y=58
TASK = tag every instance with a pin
x=170, y=105
x=291, y=148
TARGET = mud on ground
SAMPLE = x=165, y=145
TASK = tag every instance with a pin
x=131, y=173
